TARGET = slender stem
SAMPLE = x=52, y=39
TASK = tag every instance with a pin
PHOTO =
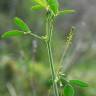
x=49, y=30
x=52, y=69
x=11, y=89
x=69, y=38
x=67, y=45
x=34, y=35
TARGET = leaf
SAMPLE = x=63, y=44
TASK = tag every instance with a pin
x=79, y=83
x=64, y=82
x=20, y=23
x=66, y=12
x=68, y=90
x=54, y=5
x=43, y=3
x=37, y=7
x=12, y=33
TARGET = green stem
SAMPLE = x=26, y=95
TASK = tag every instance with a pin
x=52, y=69
x=49, y=30
x=34, y=35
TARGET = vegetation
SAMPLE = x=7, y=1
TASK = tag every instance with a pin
x=61, y=85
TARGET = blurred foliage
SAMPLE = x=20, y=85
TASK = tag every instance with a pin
x=29, y=77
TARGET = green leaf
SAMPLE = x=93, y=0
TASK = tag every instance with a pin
x=78, y=83
x=12, y=33
x=37, y=7
x=64, y=82
x=68, y=90
x=66, y=12
x=54, y=5
x=43, y=3
x=20, y=23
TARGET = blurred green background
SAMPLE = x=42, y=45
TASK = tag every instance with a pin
x=24, y=66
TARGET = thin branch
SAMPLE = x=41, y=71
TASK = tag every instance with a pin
x=11, y=89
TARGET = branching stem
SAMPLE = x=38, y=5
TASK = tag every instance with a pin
x=34, y=35
x=49, y=31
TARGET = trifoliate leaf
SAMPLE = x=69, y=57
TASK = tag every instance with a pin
x=54, y=5
x=37, y=7
x=78, y=83
x=68, y=90
x=43, y=3
x=21, y=24
x=12, y=33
